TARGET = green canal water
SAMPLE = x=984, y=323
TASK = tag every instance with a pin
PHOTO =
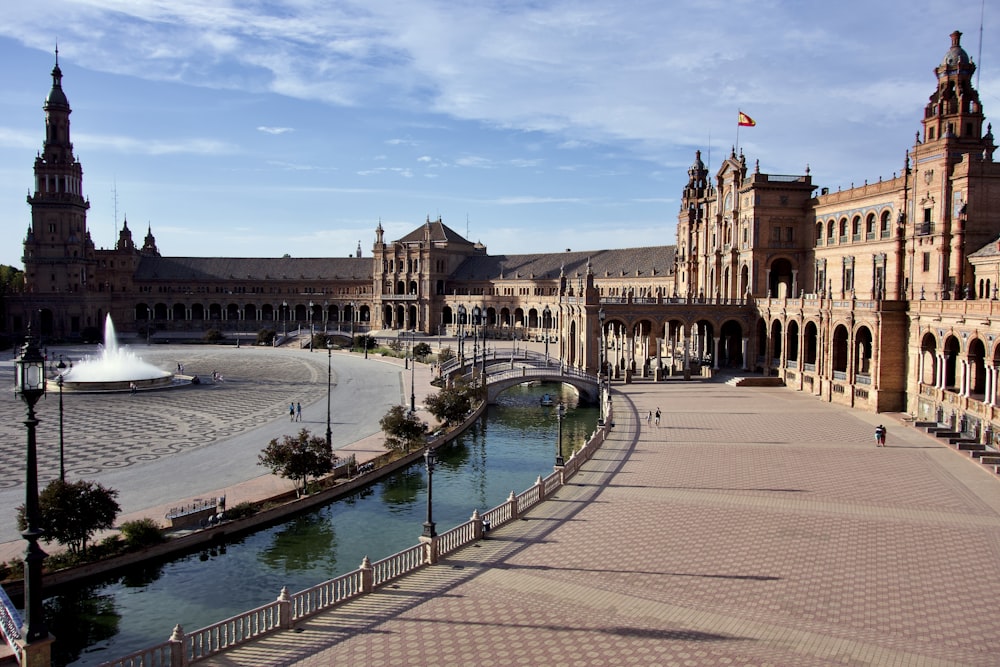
x=504, y=451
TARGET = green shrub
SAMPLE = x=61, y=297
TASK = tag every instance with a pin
x=241, y=511
x=214, y=336
x=141, y=533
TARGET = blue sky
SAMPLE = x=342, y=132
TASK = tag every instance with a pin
x=262, y=128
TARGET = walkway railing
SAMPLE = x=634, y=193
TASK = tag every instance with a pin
x=181, y=650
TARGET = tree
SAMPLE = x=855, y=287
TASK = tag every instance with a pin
x=421, y=350
x=71, y=512
x=297, y=457
x=452, y=404
x=266, y=337
x=403, y=429
x=447, y=354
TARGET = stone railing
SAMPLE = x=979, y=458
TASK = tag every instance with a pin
x=184, y=649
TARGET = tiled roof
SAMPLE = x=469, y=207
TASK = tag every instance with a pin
x=991, y=249
x=254, y=268
x=633, y=262
x=440, y=232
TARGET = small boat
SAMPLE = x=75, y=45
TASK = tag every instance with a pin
x=546, y=400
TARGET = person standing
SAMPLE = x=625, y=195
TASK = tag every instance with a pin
x=657, y=416
x=298, y=412
x=291, y=412
x=880, y=436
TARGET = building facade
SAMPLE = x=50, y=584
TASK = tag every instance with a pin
x=881, y=297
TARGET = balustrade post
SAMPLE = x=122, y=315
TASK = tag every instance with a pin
x=430, y=549
x=512, y=504
x=477, y=526
x=541, y=487
x=178, y=656
x=367, y=576
x=285, y=609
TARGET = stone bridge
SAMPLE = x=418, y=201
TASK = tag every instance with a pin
x=501, y=375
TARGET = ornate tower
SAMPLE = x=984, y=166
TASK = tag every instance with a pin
x=57, y=249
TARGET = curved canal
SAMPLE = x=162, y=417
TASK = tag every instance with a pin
x=506, y=450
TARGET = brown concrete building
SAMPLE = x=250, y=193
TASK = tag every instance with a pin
x=881, y=296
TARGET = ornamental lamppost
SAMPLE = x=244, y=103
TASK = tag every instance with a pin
x=352, y=329
x=312, y=327
x=329, y=359
x=600, y=372
x=547, y=321
x=560, y=413
x=284, y=318
x=461, y=334
x=59, y=380
x=29, y=383
x=413, y=372
x=475, y=337
x=429, y=461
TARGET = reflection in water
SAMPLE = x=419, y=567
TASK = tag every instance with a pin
x=81, y=621
x=300, y=544
x=195, y=590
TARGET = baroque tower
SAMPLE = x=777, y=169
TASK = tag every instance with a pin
x=57, y=249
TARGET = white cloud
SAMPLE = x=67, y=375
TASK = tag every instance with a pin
x=266, y=129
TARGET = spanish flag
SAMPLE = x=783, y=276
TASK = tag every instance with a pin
x=745, y=120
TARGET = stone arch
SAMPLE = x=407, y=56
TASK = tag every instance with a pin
x=792, y=341
x=839, y=350
x=810, y=343
x=731, y=345
x=951, y=349
x=976, y=357
x=928, y=359
x=776, y=339
x=779, y=278
x=863, y=344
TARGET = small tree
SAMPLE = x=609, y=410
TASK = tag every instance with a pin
x=214, y=336
x=447, y=354
x=403, y=429
x=71, y=512
x=452, y=404
x=421, y=350
x=297, y=457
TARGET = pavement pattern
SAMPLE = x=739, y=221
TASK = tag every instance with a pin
x=754, y=526
x=165, y=448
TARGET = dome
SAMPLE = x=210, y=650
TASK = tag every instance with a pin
x=956, y=55
x=697, y=165
x=56, y=96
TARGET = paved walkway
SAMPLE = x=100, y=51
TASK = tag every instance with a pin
x=755, y=526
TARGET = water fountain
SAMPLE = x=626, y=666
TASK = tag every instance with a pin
x=116, y=369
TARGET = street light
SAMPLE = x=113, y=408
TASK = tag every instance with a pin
x=59, y=380
x=600, y=372
x=149, y=322
x=547, y=320
x=413, y=372
x=461, y=334
x=329, y=359
x=560, y=413
x=429, y=462
x=29, y=382
x=352, y=329
x=312, y=327
x=284, y=318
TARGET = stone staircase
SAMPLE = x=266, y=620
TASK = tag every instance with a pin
x=989, y=457
x=755, y=381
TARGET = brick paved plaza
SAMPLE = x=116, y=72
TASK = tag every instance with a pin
x=755, y=526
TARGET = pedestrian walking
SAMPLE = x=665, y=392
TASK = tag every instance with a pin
x=649, y=417
x=880, y=436
x=657, y=416
x=291, y=412
x=298, y=412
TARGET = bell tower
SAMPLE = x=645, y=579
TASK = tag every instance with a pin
x=954, y=114
x=58, y=245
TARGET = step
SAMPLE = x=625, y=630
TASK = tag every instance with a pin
x=967, y=445
x=990, y=459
